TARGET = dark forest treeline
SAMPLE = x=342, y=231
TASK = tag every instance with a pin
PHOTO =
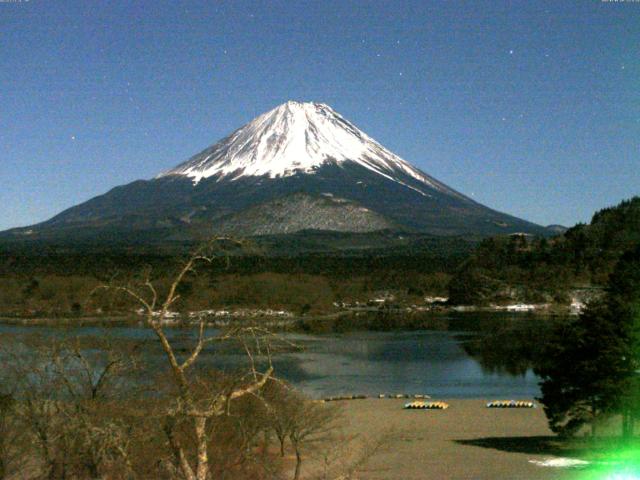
x=105, y=264
x=523, y=268
x=41, y=279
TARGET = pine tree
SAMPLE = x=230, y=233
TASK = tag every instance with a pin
x=581, y=372
x=623, y=303
x=592, y=365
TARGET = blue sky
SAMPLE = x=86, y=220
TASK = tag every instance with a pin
x=532, y=108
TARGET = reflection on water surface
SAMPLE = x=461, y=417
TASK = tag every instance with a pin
x=471, y=355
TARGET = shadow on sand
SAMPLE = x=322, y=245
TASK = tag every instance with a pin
x=613, y=453
x=544, y=445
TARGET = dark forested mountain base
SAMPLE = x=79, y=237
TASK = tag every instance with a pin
x=524, y=268
x=301, y=272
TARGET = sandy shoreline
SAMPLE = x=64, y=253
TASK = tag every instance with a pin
x=466, y=441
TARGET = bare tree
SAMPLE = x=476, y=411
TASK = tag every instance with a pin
x=85, y=418
x=65, y=404
x=279, y=401
x=347, y=456
x=8, y=432
x=302, y=421
x=193, y=402
x=313, y=430
x=311, y=423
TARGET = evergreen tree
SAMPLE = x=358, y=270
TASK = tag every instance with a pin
x=623, y=303
x=591, y=367
x=581, y=371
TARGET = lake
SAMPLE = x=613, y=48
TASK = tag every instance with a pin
x=463, y=356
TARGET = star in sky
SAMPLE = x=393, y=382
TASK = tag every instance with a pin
x=432, y=50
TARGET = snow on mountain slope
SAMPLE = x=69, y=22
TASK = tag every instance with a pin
x=296, y=138
x=276, y=175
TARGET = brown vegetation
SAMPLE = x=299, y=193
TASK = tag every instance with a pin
x=75, y=408
x=56, y=295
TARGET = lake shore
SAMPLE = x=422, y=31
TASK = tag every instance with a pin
x=465, y=441
x=336, y=322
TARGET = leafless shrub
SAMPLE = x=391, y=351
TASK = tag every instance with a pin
x=197, y=401
x=65, y=393
x=9, y=435
x=89, y=407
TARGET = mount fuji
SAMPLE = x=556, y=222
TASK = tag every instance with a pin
x=298, y=167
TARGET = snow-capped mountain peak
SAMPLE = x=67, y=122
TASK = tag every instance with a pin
x=299, y=168
x=297, y=137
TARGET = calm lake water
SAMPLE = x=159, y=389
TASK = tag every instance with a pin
x=464, y=356
x=426, y=362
